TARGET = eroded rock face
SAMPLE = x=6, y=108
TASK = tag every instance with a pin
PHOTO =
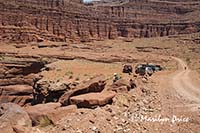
x=17, y=79
x=19, y=94
x=48, y=91
x=16, y=90
x=19, y=72
x=66, y=20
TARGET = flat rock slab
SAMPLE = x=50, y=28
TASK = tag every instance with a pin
x=90, y=100
x=42, y=108
x=96, y=84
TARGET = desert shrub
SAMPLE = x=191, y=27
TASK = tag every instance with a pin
x=44, y=121
x=69, y=73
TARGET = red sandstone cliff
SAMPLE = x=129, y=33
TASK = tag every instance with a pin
x=69, y=20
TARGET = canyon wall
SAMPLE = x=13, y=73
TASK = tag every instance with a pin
x=17, y=79
x=72, y=21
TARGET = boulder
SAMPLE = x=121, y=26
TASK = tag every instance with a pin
x=49, y=113
x=20, y=129
x=95, y=84
x=122, y=85
x=40, y=110
x=90, y=100
x=13, y=115
x=59, y=113
x=6, y=128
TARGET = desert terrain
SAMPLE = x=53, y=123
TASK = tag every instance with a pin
x=57, y=71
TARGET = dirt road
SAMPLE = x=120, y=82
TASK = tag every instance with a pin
x=180, y=96
x=183, y=84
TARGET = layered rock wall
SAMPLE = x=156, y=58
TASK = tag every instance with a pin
x=67, y=20
x=17, y=80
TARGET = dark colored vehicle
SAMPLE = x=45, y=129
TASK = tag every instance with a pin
x=155, y=67
x=140, y=69
x=149, y=69
x=127, y=69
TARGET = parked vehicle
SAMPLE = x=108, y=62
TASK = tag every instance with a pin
x=127, y=69
x=149, y=69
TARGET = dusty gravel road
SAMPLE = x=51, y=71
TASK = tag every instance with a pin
x=183, y=84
